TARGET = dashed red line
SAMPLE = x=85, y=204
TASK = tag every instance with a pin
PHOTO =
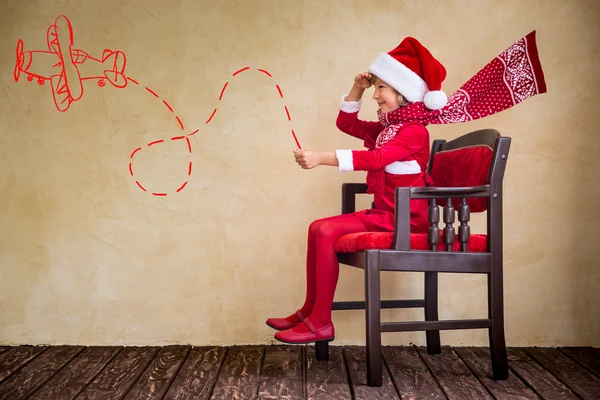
x=135, y=151
x=288, y=113
x=211, y=116
x=168, y=106
x=296, y=139
x=151, y=91
x=186, y=137
x=155, y=142
x=180, y=124
x=182, y=186
x=223, y=90
x=240, y=70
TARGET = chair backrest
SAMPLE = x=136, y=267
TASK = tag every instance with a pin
x=468, y=160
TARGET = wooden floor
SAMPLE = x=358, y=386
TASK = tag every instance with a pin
x=291, y=372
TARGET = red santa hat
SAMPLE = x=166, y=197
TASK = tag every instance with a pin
x=413, y=71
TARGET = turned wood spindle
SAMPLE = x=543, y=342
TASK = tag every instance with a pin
x=449, y=234
x=433, y=216
x=464, y=230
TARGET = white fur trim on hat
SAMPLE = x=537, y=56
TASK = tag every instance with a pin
x=349, y=106
x=345, y=160
x=435, y=99
x=400, y=77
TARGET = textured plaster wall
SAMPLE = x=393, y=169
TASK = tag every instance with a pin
x=87, y=257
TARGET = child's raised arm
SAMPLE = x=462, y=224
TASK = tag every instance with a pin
x=362, y=81
x=347, y=120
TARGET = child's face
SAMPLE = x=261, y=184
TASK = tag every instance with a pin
x=385, y=96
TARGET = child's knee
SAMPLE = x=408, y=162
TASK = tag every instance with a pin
x=313, y=228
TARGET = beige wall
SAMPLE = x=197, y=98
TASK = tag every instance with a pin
x=87, y=257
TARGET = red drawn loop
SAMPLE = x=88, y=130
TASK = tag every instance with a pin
x=186, y=137
x=67, y=68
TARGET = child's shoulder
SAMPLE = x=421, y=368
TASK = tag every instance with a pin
x=413, y=126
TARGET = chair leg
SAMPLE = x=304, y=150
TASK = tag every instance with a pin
x=431, y=312
x=497, y=340
x=322, y=351
x=373, y=319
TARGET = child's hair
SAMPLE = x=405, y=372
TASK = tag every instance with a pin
x=401, y=99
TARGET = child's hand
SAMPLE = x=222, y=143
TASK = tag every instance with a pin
x=307, y=159
x=363, y=80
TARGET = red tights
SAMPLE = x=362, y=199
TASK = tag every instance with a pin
x=322, y=267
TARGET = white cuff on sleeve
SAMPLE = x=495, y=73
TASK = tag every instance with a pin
x=345, y=161
x=349, y=106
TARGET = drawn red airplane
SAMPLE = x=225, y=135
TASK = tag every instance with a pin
x=67, y=68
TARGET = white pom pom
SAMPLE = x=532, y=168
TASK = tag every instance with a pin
x=435, y=99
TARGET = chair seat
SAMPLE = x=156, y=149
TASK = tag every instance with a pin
x=361, y=241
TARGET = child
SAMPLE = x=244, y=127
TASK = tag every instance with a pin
x=397, y=156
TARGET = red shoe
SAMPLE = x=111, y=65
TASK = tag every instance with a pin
x=281, y=324
x=324, y=334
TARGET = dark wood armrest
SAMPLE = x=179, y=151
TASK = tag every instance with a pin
x=405, y=194
x=349, y=192
x=433, y=192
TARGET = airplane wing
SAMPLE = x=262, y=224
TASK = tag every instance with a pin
x=60, y=92
x=52, y=39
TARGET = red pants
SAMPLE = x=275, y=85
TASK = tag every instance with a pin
x=322, y=266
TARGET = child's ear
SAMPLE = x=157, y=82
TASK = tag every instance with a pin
x=402, y=100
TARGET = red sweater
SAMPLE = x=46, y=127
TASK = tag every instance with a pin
x=397, y=159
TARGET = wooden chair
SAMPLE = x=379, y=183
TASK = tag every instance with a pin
x=467, y=174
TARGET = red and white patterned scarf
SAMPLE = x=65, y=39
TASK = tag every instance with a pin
x=513, y=76
x=510, y=78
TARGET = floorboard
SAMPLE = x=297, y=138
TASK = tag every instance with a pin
x=119, y=375
x=356, y=359
x=327, y=379
x=410, y=374
x=156, y=379
x=589, y=357
x=535, y=376
x=240, y=375
x=579, y=380
x=198, y=374
x=478, y=360
x=73, y=378
x=453, y=376
x=37, y=372
x=185, y=372
x=282, y=373
x=15, y=358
